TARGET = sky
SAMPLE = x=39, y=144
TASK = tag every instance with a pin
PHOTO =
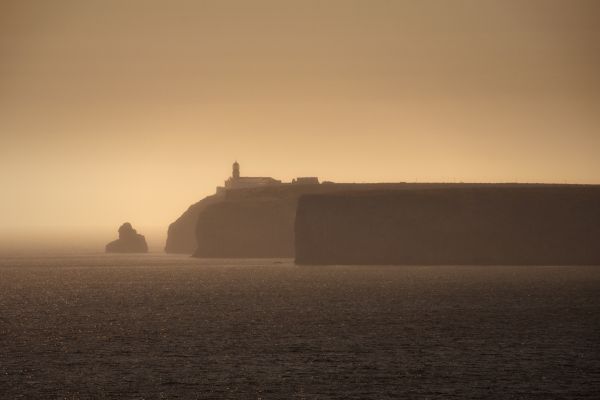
x=114, y=111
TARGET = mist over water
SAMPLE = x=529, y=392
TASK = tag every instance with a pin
x=162, y=326
x=76, y=241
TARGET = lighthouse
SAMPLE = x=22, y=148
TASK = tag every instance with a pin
x=235, y=174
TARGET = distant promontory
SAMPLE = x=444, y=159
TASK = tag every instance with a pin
x=392, y=223
x=250, y=216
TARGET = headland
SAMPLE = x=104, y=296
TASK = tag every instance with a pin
x=392, y=223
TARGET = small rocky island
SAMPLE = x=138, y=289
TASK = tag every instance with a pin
x=129, y=241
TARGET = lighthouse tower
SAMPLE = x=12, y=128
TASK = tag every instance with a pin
x=236, y=171
x=238, y=182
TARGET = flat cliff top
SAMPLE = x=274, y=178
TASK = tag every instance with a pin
x=385, y=189
x=290, y=190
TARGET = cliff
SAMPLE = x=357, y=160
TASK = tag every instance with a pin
x=253, y=228
x=494, y=224
x=259, y=222
x=181, y=236
x=254, y=222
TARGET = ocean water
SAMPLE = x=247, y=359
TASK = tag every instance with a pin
x=159, y=326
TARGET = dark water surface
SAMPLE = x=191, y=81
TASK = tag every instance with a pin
x=158, y=326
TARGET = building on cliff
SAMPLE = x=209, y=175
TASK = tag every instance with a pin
x=236, y=181
x=306, y=180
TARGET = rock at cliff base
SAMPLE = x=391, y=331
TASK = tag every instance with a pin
x=129, y=241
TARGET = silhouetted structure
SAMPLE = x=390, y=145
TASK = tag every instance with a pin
x=306, y=180
x=129, y=241
x=236, y=181
x=516, y=225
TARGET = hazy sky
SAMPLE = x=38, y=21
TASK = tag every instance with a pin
x=114, y=111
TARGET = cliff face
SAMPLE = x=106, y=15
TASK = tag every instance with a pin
x=181, y=236
x=255, y=222
x=254, y=229
x=519, y=225
x=259, y=222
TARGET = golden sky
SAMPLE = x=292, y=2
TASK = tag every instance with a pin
x=114, y=111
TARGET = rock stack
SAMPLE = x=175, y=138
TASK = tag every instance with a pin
x=129, y=241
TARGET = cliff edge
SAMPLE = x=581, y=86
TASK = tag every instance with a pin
x=181, y=236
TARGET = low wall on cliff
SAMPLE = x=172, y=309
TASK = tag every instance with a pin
x=503, y=225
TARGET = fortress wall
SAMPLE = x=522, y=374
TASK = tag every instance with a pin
x=503, y=225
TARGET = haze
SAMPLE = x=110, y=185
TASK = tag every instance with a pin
x=115, y=111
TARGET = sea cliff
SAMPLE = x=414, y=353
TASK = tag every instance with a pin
x=505, y=224
x=247, y=229
x=253, y=222
x=181, y=236
x=257, y=222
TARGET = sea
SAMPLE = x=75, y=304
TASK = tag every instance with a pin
x=159, y=326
